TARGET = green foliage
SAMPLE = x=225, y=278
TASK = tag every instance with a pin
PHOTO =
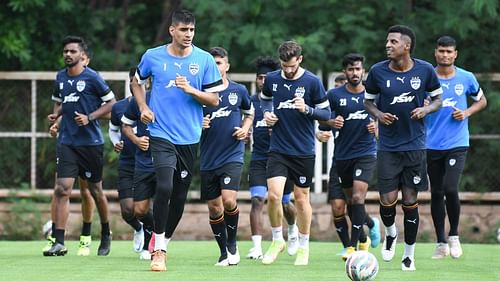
x=24, y=222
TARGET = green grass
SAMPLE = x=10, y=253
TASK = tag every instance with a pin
x=190, y=260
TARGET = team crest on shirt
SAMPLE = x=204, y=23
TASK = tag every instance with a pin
x=415, y=83
x=416, y=179
x=302, y=179
x=233, y=98
x=184, y=174
x=358, y=172
x=88, y=175
x=80, y=85
x=194, y=68
x=459, y=89
x=299, y=92
x=61, y=85
x=452, y=162
x=227, y=180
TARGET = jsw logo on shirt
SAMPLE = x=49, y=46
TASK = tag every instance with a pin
x=358, y=115
x=221, y=112
x=403, y=98
x=286, y=105
x=449, y=102
x=261, y=123
x=71, y=98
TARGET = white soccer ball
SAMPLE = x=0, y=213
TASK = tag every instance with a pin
x=47, y=229
x=361, y=266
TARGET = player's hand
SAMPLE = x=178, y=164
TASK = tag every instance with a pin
x=81, y=119
x=182, y=83
x=239, y=133
x=119, y=146
x=459, y=114
x=418, y=113
x=338, y=122
x=387, y=118
x=372, y=126
x=270, y=118
x=51, y=118
x=206, y=122
x=323, y=136
x=54, y=129
x=143, y=143
x=147, y=116
x=300, y=104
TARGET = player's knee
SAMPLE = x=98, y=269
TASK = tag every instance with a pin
x=274, y=197
x=61, y=190
x=338, y=211
x=229, y=203
x=164, y=190
x=358, y=198
x=127, y=214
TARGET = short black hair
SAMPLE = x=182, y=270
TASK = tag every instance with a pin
x=351, y=58
x=446, y=41
x=264, y=65
x=183, y=16
x=340, y=77
x=405, y=30
x=289, y=49
x=218, y=52
x=76, y=39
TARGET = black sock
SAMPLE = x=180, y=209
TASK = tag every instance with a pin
x=453, y=210
x=147, y=221
x=342, y=229
x=105, y=229
x=357, y=220
x=231, y=219
x=86, y=228
x=59, y=235
x=219, y=229
x=147, y=237
x=53, y=228
x=438, y=215
x=411, y=221
x=368, y=220
x=388, y=213
x=134, y=223
x=362, y=236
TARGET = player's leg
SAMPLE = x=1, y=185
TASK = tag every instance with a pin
x=290, y=214
x=87, y=206
x=143, y=192
x=336, y=199
x=455, y=162
x=435, y=170
x=51, y=223
x=258, y=192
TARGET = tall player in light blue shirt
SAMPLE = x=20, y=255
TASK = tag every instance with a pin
x=184, y=78
x=401, y=85
x=448, y=142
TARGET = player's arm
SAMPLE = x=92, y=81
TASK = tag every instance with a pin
x=56, y=112
x=477, y=105
x=103, y=111
x=115, y=135
x=139, y=90
x=241, y=133
x=371, y=107
x=433, y=106
x=206, y=98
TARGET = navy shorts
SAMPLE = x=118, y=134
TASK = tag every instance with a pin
x=402, y=168
x=334, y=187
x=80, y=161
x=225, y=177
x=126, y=183
x=144, y=185
x=299, y=170
x=360, y=169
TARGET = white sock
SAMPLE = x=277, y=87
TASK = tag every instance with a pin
x=257, y=241
x=292, y=229
x=167, y=240
x=277, y=233
x=391, y=230
x=409, y=250
x=160, y=241
x=303, y=241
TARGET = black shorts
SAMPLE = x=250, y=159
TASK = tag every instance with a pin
x=83, y=161
x=360, y=169
x=299, y=170
x=402, y=168
x=334, y=187
x=225, y=177
x=144, y=185
x=257, y=172
x=126, y=183
x=179, y=157
x=445, y=168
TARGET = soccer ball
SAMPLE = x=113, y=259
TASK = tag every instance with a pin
x=361, y=266
x=47, y=229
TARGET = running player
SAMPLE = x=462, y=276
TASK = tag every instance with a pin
x=261, y=134
x=292, y=98
x=448, y=142
x=401, y=84
x=185, y=78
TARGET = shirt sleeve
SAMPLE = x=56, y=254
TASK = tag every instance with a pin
x=212, y=81
x=371, y=88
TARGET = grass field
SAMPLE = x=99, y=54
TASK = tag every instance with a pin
x=190, y=260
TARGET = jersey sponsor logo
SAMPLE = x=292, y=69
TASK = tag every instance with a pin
x=452, y=162
x=71, y=82
x=194, y=68
x=261, y=123
x=286, y=105
x=358, y=172
x=446, y=85
x=415, y=83
x=358, y=115
x=179, y=65
x=287, y=86
x=227, y=180
x=402, y=79
x=221, y=112
x=275, y=87
x=61, y=86
x=459, y=89
x=302, y=179
x=299, y=92
x=184, y=174
x=171, y=83
x=80, y=85
x=356, y=99
x=403, y=98
x=233, y=98
x=449, y=102
x=416, y=179
x=71, y=98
